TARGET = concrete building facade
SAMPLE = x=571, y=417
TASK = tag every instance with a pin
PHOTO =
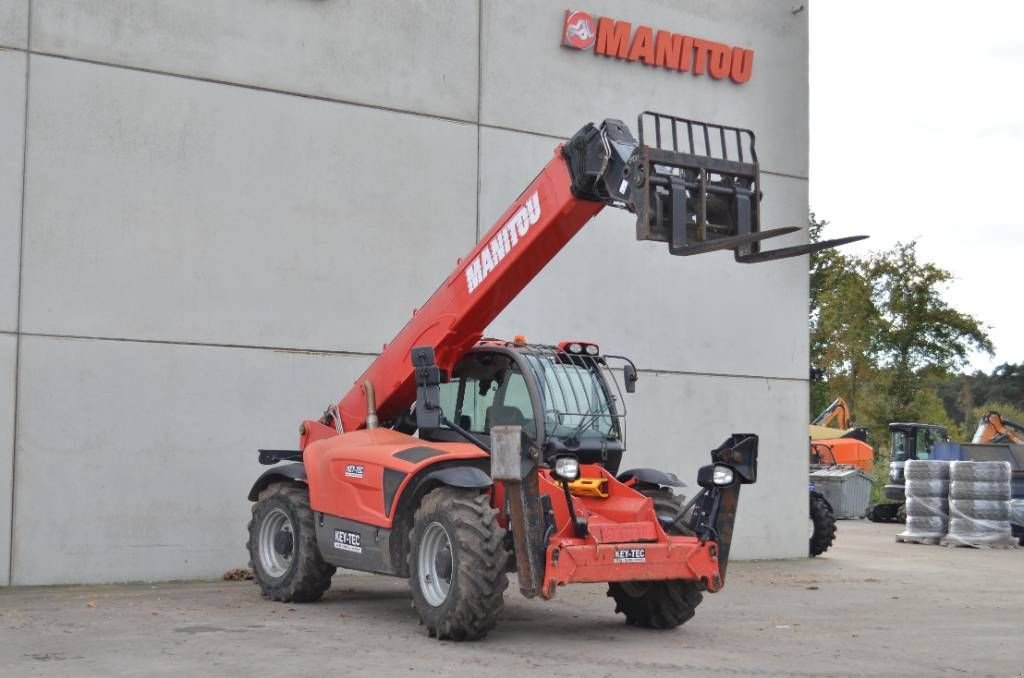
x=212, y=216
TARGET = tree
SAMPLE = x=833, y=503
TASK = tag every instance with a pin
x=1005, y=385
x=843, y=321
x=883, y=337
x=919, y=329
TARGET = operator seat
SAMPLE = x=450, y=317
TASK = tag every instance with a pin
x=503, y=415
x=506, y=415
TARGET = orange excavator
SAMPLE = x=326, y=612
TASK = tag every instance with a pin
x=455, y=459
x=993, y=428
x=831, y=431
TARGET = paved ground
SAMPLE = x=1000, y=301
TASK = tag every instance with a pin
x=870, y=607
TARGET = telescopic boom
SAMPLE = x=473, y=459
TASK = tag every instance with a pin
x=696, y=188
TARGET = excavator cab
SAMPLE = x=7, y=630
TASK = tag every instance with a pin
x=910, y=441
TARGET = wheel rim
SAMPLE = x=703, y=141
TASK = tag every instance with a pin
x=276, y=543
x=435, y=564
x=810, y=528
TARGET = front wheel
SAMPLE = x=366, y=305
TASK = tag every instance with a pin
x=659, y=604
x=283, y=552
x=457, y=564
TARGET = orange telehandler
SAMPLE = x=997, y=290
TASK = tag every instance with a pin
x=515, y=465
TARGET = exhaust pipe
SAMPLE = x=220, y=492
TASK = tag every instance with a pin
x=371, y=405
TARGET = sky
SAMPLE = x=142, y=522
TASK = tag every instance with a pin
x=917, y=133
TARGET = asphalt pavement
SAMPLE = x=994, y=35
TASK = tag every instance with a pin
x=868, y=607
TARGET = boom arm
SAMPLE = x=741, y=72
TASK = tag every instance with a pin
x=838, y=412
x=692, y=195
x=994, y=429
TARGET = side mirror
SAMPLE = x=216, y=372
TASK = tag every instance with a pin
x=629, y=377
x=428, y=389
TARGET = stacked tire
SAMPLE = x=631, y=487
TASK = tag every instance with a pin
x=979, y=503
x=927, y=489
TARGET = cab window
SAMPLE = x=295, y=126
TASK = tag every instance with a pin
x=486, y=390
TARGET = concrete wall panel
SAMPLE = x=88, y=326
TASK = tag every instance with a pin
x=699, y=314
x=422, y=55
x=12, y=135
x=134, y=459
x=674, y=421
x=192, y=211
x=8, y=344
x=523, y=63
x=14, y=23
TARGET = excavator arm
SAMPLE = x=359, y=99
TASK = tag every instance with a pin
x=695, y=187
x=994, y=429
x=838, y=412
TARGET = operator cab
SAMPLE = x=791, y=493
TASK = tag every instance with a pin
x=910, y=441
x=564, y=397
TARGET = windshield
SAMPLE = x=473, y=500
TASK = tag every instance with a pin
x=574, y=399
x=899, y=446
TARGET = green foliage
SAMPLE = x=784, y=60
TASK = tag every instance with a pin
x=883, y=337
x=919, y=334
x=1004, y=385
x=880, y=476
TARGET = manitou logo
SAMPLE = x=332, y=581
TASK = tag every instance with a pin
x=674, y=51
x=501, y=244
x=579, y=30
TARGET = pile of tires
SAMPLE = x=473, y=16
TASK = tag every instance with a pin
x=927, y=490
x=979, y=503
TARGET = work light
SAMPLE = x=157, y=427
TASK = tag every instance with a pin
x=567, y=469
x=722, y=475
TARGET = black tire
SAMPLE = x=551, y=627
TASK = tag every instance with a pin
x=476, y=564
x=980, y=471
x=979, y=509
x=969, y=489
x=881, y=513
x=924, y=469
x=938, y=489
x=659, y=604
x=667, y=506
x=304, y=575
x=980, y=530
x=926, y=526
x=823, y=520
x=927, y=506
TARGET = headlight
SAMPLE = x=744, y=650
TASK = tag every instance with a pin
x=567, y=469
x=575, y=348
x=722, y=475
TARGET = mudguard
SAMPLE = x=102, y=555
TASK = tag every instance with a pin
x=652, y=476
x=468, y=477
x=285, y=472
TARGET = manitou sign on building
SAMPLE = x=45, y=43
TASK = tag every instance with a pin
x=674, y=51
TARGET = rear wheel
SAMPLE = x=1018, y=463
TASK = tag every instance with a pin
x=457, y=564
x=283, y=553
x=659, y=604
x=822, y=525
